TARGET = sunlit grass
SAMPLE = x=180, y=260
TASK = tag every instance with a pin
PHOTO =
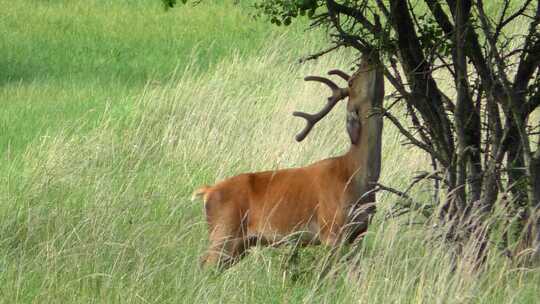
x=63, y=60
x=96, y=208
x=105, y=215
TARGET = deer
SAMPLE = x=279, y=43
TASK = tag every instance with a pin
x=325, y=202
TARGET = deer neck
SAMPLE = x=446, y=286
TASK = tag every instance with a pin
x=363, y=158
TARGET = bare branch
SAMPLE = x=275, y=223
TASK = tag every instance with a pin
x=413, y=139
x=394, y=191
x=500, y=24
x=346, y=39
x=504, y=22
x=397, y=83
x=411, y=205
x=533, y=103
x=319, y=54
x=529, y=59
x=354, y=13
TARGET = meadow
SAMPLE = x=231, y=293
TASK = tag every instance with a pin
x=114, y=111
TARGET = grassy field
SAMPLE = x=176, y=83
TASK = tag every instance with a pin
x=62, y=60
x=114, y=111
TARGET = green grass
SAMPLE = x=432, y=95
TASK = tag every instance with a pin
x=99, y=161
x=61, y=60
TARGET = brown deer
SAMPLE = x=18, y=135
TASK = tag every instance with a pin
x=320, y=201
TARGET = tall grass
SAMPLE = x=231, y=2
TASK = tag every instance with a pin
x=62, y=60
x=97, y=209
x=105, y=215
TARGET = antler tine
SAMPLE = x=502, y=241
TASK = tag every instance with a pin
x=324, y=80
x=337, y=92
x=311, y=119
x=340, y=73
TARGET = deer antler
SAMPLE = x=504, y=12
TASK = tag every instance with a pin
x=340, y=73
x=337, y=95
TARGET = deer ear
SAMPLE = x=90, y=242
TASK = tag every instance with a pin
x=353, y=126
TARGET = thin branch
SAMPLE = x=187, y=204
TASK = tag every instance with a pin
x=408, y=208
x=533, y=103
x=486, y=27
x=413, y=139
x=530, y=57
x=397, y=84
x=351, y=12
x=347, y=39
x=504, y=22
x=394, y=191
x=319, y=54
x=416, y=123
x=500, y=24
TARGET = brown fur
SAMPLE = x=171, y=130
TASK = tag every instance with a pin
x=313, y=201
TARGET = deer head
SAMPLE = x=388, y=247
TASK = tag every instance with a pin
x=365, y=89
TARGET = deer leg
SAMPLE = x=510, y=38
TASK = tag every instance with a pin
x=227, y=244
x=225, y=251
x=331, y=235
x=330, y=230
x=239, y=249
x=221, y=247
x=360, y=222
